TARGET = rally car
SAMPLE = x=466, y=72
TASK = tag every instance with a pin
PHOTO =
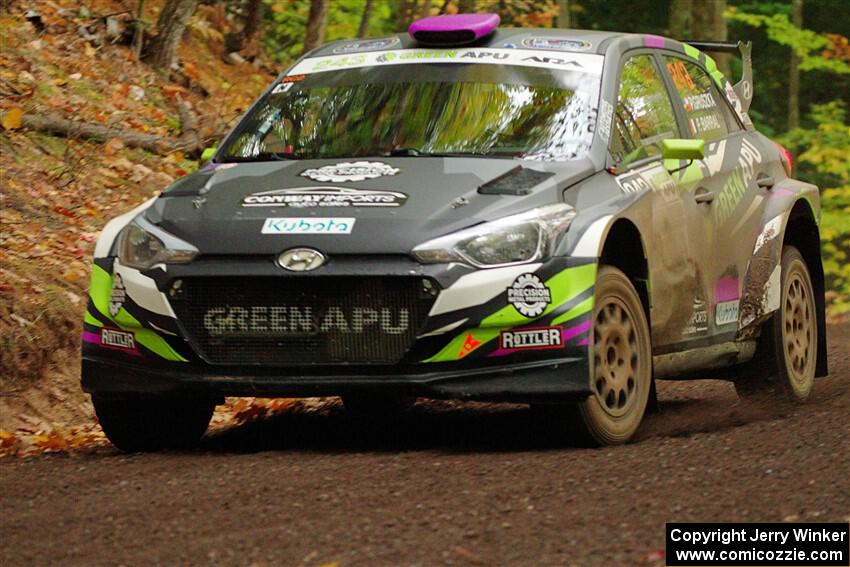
x=541, y=216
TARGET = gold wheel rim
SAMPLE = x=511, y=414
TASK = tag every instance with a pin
x=798, y=331
x=615, y=357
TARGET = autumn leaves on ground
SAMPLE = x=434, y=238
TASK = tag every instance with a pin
x=56, y=192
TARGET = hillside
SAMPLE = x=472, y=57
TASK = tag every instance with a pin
x=58, y=192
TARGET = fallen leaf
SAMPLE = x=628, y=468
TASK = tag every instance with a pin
x=50, y=442
x=12, y=119
x=7, y=439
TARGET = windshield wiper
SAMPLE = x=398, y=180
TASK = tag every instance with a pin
x=263, y=156
x=413, y=152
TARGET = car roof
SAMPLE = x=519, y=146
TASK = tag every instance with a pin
x=587, y=41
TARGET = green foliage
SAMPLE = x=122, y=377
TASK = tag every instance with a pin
x=808, y=44
x=286, y=20
x=824, y=158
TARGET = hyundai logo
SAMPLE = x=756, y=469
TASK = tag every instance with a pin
x=300, y=259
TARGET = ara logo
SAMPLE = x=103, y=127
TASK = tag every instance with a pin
x=554, y=61
x=311, y=225
x=350, y=171
x=310, y=197
x=529, y=295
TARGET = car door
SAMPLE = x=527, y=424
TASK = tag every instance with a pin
x=725, y=187
x=644, y=116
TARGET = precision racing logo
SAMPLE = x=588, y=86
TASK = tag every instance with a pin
x=309, y=197
x=529, y=295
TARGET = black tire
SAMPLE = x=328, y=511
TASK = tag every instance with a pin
x=621, y=364
x=786, y=359
x=377, y=406
x=150, y=424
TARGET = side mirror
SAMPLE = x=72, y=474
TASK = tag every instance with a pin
x=208, y=153
x=682, y=149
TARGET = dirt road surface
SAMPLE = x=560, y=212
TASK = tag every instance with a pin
x=450, y=484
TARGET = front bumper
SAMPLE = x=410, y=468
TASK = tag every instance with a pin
x=474, y=342
x=527, y=382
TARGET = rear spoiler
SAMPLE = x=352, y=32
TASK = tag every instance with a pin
x=744, y=87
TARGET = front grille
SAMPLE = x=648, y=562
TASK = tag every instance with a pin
x=302, y=320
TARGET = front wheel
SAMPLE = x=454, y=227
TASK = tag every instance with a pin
x=621, y=363
x=787, y=356
x=150, y=424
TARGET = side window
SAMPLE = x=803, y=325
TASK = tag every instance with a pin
x=644, y=115
x=708, y=116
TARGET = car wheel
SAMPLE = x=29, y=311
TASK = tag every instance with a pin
x=377, y=405
x=621, y=363
x=787, y=354
x=150, y=424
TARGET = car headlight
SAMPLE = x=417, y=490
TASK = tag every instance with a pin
x=518, y=239
x=142, y=245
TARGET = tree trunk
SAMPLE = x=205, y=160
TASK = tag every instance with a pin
x=701, y=20
x=405, y=14
x=315, y=25
x=363, y=30
x=170, y=27
x=794, y=71
x=189, y=140
x=425, y=9
x=466, y=6
x=680, y=19
x=253, y=20
x=139, y=32
x=563, y=13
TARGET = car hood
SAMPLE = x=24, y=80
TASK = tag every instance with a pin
x=218, y=208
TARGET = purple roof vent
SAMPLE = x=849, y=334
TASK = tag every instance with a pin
x=453, y=30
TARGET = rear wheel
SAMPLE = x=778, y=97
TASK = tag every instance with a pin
x=621, y=365
x=785, y=363
x=150, y=424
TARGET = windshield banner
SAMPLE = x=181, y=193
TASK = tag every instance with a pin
x=588, y=63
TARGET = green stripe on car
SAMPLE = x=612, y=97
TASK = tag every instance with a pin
x=564, y=287
x=99, y=290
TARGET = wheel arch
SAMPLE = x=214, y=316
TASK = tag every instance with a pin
x=801, y=231
x=623, y=247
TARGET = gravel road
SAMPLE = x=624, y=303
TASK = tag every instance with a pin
x=450, y=484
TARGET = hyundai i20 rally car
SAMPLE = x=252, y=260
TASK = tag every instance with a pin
x=552, y=217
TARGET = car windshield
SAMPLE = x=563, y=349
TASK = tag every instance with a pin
x=442, y=109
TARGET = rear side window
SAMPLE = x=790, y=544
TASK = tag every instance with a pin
x=644, y=115
x=708, y=117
